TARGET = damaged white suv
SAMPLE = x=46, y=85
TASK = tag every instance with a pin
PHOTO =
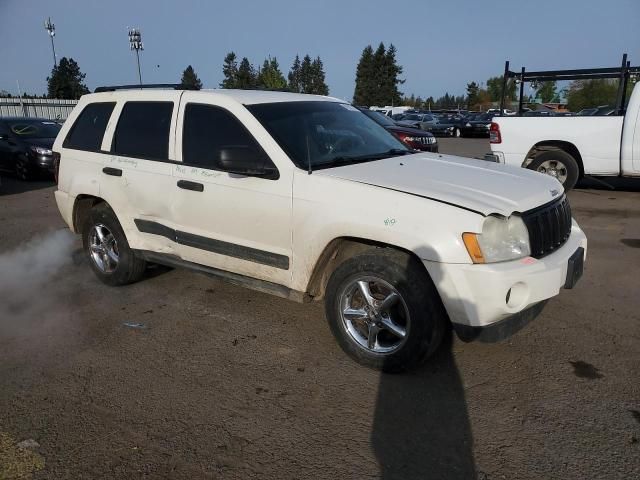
x=307, y=198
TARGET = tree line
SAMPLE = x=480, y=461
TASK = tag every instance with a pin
x=378, y=77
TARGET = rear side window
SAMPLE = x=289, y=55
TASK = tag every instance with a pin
x=143, y=130
x=207, y=130
x=87, y=132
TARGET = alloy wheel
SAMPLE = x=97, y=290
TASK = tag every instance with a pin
x=103, y=248
x=554, y=168
x=374, y=315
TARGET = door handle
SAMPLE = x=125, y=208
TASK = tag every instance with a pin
x=116, y=172
x=187, y=185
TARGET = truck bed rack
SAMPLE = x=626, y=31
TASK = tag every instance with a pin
x=623, y=73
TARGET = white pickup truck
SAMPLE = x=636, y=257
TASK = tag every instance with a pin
x=569, y=148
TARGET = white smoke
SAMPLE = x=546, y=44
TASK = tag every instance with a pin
x=27, y=276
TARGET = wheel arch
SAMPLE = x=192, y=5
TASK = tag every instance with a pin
x=81, y=208
x=337, y=251
x=549, y=145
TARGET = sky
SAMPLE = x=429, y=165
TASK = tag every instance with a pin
x=442, y=44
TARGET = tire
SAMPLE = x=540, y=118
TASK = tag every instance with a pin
x=23, y=171
x=417, y=310
x=558, y=164
x=111, y=258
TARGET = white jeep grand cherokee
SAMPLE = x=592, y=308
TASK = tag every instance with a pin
x=307, y=198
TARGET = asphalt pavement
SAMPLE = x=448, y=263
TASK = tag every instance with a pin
x=182, y=376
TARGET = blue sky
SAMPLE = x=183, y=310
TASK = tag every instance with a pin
x=441, y=44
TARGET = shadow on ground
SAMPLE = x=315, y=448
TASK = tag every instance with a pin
x=421, y=427
x=13, y=186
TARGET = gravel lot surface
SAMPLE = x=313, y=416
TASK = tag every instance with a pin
x=182, y=376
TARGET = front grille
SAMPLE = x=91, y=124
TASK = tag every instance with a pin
x=549, y=226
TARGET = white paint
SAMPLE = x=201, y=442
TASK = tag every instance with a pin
x=299, y=214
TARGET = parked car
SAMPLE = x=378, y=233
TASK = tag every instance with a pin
x=25, y=146
x=477, y=125
x=414, y=137
x=307, y=198
x=449, y=124
x=568, y=148
x=418, y=120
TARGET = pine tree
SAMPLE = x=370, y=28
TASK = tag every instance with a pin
x=391, y=73
x=294, y=76
x=546, y=91
x=472, y=93
x=364, y=91
x=246, y=77
x=230, y=71
x=270, y=76
x=190, y=80
x=318, y=84
x=306, y=75
x=66, y=80
x=379, y=76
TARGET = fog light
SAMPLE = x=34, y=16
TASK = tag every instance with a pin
x=517, y=296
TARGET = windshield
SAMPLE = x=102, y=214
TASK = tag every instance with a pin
x=413, y=116
x=379, y=118
x=34, y=128
x=326, y=134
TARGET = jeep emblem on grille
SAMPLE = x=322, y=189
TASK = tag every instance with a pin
x=554, y=192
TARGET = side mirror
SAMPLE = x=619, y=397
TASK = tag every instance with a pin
x=245, y=160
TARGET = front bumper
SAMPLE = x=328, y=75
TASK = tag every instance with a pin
x=481, y=295
x=43, y=163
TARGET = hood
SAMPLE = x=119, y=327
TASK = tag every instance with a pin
x=477, y=185
x=416, y=132
x=39, y=142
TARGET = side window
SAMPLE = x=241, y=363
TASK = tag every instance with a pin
x=143, y=130
x=87, y=132
x=207, y=130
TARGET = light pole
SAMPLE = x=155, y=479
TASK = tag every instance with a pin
x=135, y=43
x=51, y=28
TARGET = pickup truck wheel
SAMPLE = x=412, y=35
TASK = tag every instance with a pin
x=558, y=164
x=384, y=310
x=105, y=243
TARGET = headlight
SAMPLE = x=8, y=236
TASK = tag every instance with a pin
x=501, y=239
x=41, y=151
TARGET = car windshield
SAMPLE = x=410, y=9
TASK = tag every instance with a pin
x=413, y=116
x=326, y=134
x=379, y=118
x=34, y=128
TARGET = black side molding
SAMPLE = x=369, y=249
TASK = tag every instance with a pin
x=215, y=246
x=115, y=172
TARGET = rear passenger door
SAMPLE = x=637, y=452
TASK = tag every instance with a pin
x=232, y=222
x=137, y=178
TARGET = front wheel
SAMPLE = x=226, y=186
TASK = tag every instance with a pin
x=105, y=243
x=384, y=310
x=559, y=165
x=457, y=133
x=23, y=171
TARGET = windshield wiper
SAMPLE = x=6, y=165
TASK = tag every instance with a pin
x=346, y=160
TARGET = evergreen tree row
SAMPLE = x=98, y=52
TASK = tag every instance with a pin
x=306, y=76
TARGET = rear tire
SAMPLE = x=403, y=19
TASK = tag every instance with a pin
x=402, y=300
x=106, y=246
x=558, y=164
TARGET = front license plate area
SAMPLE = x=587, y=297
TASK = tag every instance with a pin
x=575, y=267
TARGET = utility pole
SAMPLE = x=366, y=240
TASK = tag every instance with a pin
x=51, y=28
x=135, y=43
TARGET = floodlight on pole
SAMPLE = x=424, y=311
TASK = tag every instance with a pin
x=135, y=43
x=51, y=29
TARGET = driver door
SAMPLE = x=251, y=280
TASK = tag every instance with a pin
x=236, y=223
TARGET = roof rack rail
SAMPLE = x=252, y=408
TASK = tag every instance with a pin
x=622, y=73
x=113, y=88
